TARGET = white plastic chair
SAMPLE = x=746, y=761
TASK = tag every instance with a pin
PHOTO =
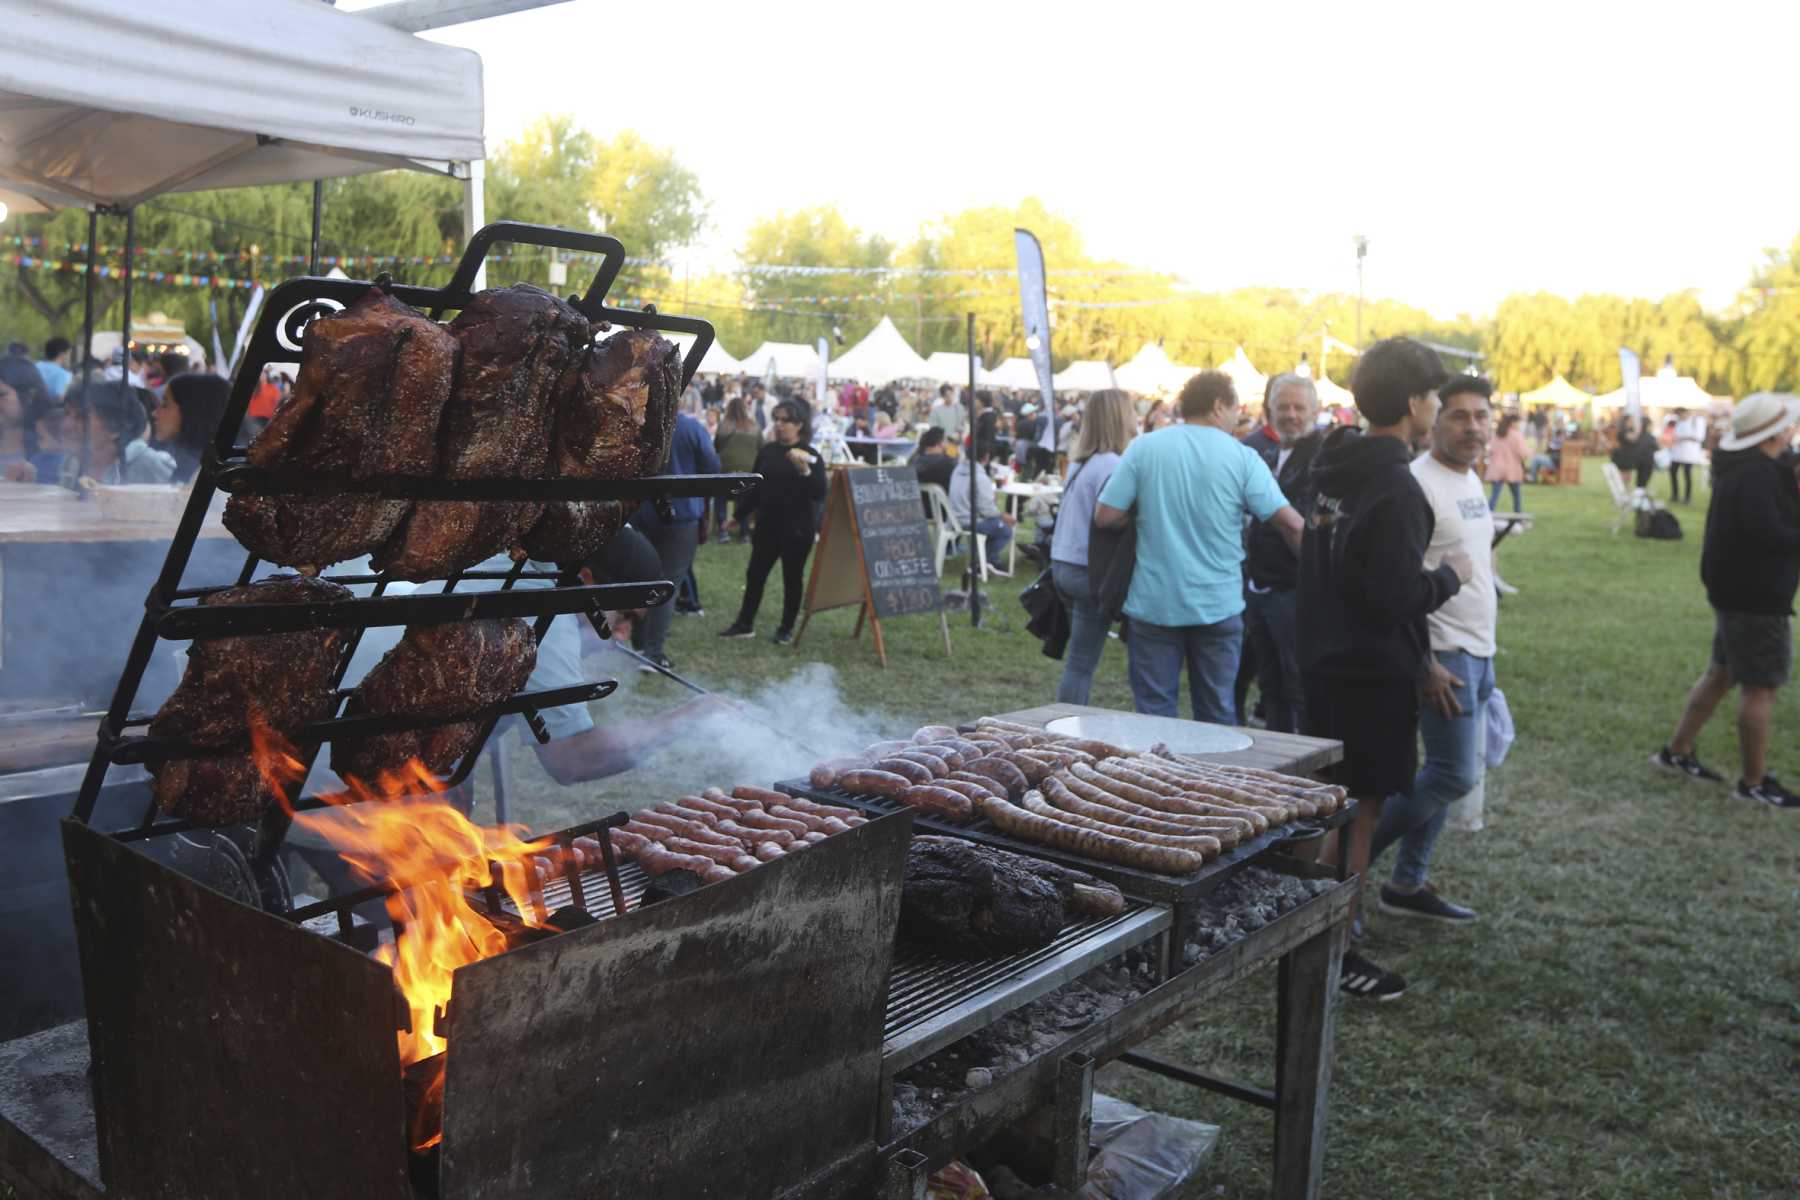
x=1627, y=501
x=949, y=532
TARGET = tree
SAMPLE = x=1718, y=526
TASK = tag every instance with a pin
x=798, y=306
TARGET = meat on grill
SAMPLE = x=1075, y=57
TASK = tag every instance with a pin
x=615, y=414
x=516, y=343
x=368, y=401
x=283, y=679
x=965, y=899
x=569, y=534
x=450, y=670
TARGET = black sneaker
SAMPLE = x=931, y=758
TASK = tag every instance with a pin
x=655, y=664
x=1424, y=903
x=738, y=629
x=784, y=637
x=1684, y=764
x=1363, y=979
x=1769, y=792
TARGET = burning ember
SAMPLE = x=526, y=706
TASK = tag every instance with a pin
x=396, y=831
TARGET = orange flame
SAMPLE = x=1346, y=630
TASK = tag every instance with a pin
x=397, y=830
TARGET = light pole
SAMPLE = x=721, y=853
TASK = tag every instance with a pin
x=1362, y=252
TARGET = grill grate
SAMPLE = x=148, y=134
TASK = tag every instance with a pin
x=934, y=1001
x=597, y=898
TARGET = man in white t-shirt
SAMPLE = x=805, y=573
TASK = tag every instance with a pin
x=1453, y=700
x=1687, y=452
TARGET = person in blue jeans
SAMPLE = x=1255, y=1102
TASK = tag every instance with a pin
x=1107, y=428
x=1189, y=486
x=1460, y=674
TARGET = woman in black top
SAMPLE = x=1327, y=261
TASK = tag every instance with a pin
x=188, y=418
x=793, y=482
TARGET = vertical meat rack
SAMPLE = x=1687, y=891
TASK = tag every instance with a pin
x=174, y=612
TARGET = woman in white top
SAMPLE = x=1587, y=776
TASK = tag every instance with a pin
x=1107, y=428
x=1688, y=450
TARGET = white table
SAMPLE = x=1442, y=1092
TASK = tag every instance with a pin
x=1015, y=496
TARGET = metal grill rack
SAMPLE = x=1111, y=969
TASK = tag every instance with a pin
x=174, y=609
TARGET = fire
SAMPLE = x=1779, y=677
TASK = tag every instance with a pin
x=397, y=830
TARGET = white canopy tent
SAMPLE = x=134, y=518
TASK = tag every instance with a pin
x=948, y=366
x=879, y=358
x=1245, y=377
x=1662, y=391
x=791, y=359
x=718, y=360
x=105, y=104
x=1083, y=375
x=1150, y=372
x=1014, y=373
x=1331, y=395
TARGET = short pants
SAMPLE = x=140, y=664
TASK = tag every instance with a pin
x=1378, y=722
x=1757, y=648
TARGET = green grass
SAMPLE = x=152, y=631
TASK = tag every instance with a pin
x=1624, y=1021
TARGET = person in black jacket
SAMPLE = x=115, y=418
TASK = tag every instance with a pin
x=1750, y=563
x=1271, y=569
x=1364, y=594
x=793, y=483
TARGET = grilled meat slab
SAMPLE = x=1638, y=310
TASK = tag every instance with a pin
x=615, y=414
x=568, y=534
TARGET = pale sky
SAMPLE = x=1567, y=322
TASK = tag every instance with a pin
x=1483, y=149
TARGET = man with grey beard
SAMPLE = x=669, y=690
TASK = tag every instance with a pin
x=1271, y=614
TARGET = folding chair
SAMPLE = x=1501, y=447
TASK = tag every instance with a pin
x=949, y=532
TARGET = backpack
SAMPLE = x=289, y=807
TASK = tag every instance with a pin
x=1658, y=523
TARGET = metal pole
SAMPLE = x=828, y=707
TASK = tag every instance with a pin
x=318, y=216
x=130, y=249
x=87, y=324
x=974, y=466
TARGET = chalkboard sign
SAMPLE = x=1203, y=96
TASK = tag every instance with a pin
x=896, y=542
x=875, y=550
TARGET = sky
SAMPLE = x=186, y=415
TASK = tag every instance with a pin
x=1483, y=149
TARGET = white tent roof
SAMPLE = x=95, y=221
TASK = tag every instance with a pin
x=882, y=357
x=1663, y=390
x=1150, y=372
x=949, y=366
x=1014, y=373
x=1245, y=377
x=116, y=101
x=794, y=359
x=718, y=360
x=1331, y=395
x=1083, y=375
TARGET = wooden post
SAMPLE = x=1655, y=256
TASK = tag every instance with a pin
x=1306, y=1029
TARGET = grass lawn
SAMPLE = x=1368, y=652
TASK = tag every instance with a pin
x=1624, y=1021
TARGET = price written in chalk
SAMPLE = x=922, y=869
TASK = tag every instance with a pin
x=896, y=543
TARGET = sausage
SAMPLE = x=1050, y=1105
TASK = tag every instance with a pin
x=933, y=733
x=1003, y=773
x=963, y=746
x=710, y=807
x=939, y=802
x=1056, y=758
x=883, y=749
x=757, y=818
x=762, y=796
x=686, y=826
x=1047, y=831
x=737, y=860
x=816, y=824
x=953, y=758
x=848, y=816
x=726, y=828
x=931, y=762
x=824, y=774
x=1095, y=747
x=1034, y=770
x=1199, y=843
x=1147, y=820
x=1089, y=784
x=988, y=745
x=999, y=726
x=874, y=783
x=1189, y=784
x=974, y=791
x=1306, y=804
x=988, y=785
x=733, y=828
x=768, y=851
x=657, y=859
x=1297, y=782
x=907, y=769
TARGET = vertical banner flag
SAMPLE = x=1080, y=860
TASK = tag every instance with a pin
x=219, y=365
x=1034, y=304
x=247, y=326
x=1631, y=369
x=824, y=374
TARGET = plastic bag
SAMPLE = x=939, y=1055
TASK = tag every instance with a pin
x=957, y=1181
x=1499, y=729
x=1466, y=811
x=1143, y=1155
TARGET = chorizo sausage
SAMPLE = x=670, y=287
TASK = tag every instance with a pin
x=871, y=782
x=1199, y=843
x=974, y=791
x=931, y=762
x=1163, y=778
x=883, y=749
x=939, y=802
x=762, y=796
x=686, y=826
x=953, y=758
x=906, y=768
x=1089, y=784
x=848, y=816
x=768, y=851
x=657, y=859
x=814, y=824
x=1091, y=843
x=932, y=733
x=757, y=818
x=824, y=774
x=737, y=860
x=1229, y=833
x=1003, y=773
x=1034, y=770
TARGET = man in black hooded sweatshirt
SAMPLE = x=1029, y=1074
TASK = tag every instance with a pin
x=1365, y=649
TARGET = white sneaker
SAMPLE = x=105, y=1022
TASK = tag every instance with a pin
x=1504, y=588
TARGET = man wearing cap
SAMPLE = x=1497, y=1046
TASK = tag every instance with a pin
x=1750, y=564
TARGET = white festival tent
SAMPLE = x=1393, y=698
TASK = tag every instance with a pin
x=1083, y=375
x=949, y=366
x=718, y=360
x=1331, y=395
x=879, y=358
x=105, y=104
x=1150, y=372
x=794, y=360
x=1246, y=378
x=1014, y=373
x=1662, y=391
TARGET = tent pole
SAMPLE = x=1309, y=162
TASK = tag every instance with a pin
x=318, y=214
x=474, y=213
x=974, y=466
x=87, y=305
x=130, y=249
